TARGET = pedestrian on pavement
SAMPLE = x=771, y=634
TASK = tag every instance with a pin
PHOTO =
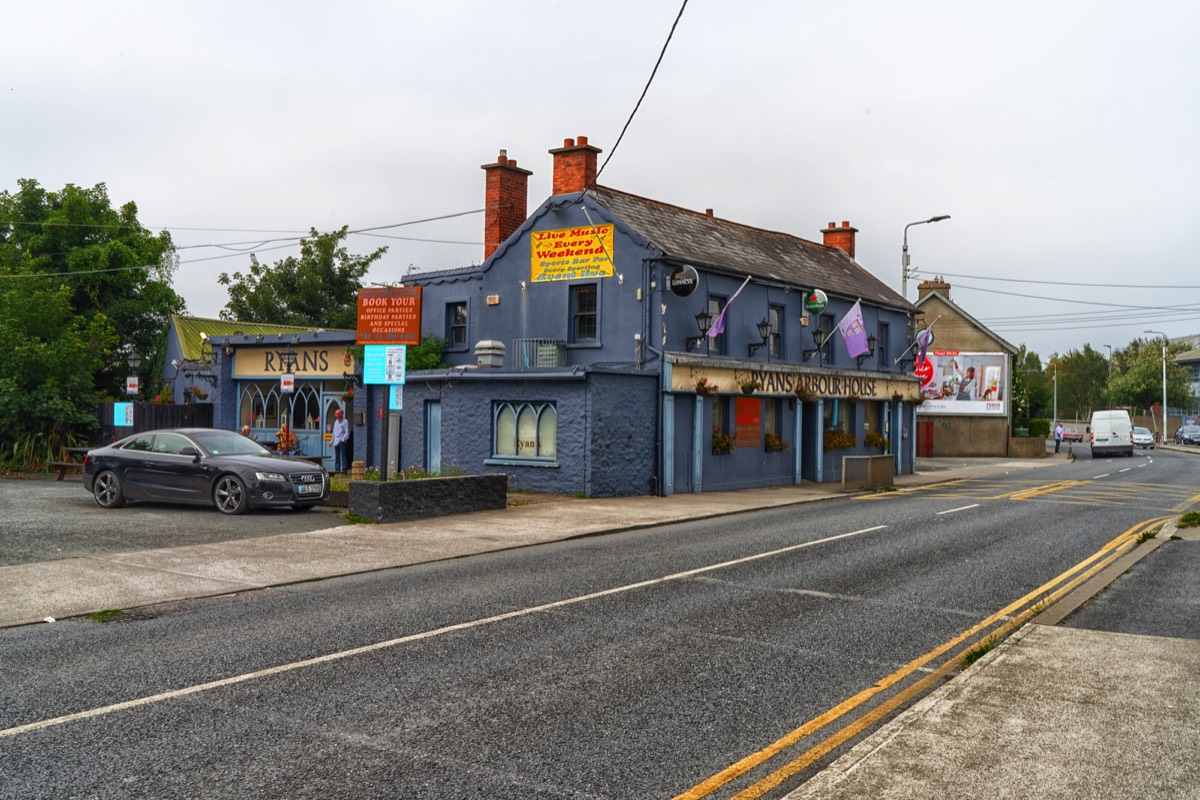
x=1058, y=436
x=286, y=440
x=341, y=442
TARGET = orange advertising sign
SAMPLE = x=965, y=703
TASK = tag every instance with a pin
x=389, y=315
x=567, y=254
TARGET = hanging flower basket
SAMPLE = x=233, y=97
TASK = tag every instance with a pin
x=876, y=439
x=805, y=395
x=839, y=440
x=750, y=387
x=775, y=444
x=704, y=388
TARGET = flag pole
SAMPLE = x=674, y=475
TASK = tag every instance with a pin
x=914, y=344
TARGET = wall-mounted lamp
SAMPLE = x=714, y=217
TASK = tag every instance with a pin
x=350, y=376
x=871, y=342
x=259, y=338
x=703, y=322
x=228, y=350
x=134, y=360
x=764, y=330
x=819, y=339
x=287, y=359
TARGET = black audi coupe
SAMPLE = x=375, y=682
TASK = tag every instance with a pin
x=201, y=466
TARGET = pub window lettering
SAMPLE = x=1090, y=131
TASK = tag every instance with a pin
x=525, y=431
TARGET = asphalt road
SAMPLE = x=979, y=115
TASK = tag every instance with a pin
x=42, y=519
x=632, y=665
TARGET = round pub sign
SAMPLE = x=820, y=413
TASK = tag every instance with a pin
x=815, y=301
x=683, y=280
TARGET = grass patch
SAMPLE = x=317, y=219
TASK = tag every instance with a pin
x=355, y=519
x=978, y=651
x=1189, y=520
x=1146, y=536
x=1040, y=606
x=110, y=615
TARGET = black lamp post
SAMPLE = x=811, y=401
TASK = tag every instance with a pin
x=134, y=361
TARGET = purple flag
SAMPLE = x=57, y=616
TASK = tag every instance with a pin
x=854, y=335
x=924, y=339
x=718, y=326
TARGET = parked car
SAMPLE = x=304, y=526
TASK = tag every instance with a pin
x=201, y=466
x=1143, y=438
x=1188, y=434
x=1072, y=435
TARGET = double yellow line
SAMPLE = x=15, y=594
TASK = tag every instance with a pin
x=1011, y=617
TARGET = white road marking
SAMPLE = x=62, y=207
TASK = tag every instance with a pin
x=1098, y=477
x=1127, y=469
x=416, y=637
x=964, y=508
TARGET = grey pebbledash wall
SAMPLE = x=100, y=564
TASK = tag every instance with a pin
x=607, y=427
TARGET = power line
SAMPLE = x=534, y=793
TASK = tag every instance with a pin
x=1069, y=283
x=638, y=105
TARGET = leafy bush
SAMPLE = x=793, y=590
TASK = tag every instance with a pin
x=1039, y=428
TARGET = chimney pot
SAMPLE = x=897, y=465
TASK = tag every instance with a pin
x=568, y=142
x=842, y=238
x=581, y=141
x=574, y=166
x=708, y=212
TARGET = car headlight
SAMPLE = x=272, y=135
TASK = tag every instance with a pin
x=272, y=477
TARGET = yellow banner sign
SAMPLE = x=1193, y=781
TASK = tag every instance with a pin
x=569, y=254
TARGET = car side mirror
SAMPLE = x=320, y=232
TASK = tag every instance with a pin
x=190, y=451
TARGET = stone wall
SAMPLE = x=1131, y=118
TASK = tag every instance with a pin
x=397, y=501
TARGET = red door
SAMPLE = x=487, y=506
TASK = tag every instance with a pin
x=924, y=438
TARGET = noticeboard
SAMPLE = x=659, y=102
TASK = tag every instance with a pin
x=384, y=364
x=389, y=315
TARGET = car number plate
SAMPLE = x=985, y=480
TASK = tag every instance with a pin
x=309, y=488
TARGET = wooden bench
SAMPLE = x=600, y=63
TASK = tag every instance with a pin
x=72, y=459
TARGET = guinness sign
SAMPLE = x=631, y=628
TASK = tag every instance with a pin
x=683, y=280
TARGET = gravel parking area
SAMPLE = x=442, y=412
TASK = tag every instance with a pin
x=42, y=519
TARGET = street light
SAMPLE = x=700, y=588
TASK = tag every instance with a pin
x=904, y=251
x=1164, y=405
x=1109, y=346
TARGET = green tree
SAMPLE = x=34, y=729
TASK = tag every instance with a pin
x=1137, y=379
x=1029, y=391
x=111, y=265
x=1082, y=382
x=82, y=285
x=319, y=288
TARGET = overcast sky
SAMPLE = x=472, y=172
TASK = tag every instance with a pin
x=1063, y=138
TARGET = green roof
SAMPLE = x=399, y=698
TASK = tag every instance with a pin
x=188, y=330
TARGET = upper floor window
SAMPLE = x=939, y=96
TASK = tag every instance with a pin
x=456, y=325
x=584, y=307
x=775, y=338
x=716, y=344
x=828, y=351
x=881, y=347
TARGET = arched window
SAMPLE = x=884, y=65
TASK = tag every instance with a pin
x=525, y=431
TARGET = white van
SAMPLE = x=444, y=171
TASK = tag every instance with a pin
x=1112, y=432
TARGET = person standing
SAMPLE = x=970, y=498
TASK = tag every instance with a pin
x=1058, y=436
x=341, y=442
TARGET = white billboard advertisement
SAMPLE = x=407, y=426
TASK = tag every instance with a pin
x=963, y=383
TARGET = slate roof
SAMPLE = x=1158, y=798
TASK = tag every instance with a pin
x=720, y=245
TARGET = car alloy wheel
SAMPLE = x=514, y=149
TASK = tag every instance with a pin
x=107, y=490
x=229, y=495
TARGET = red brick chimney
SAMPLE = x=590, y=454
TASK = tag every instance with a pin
x=574, y=165
x=842, y=238
x=938, y=284
x=506, y=197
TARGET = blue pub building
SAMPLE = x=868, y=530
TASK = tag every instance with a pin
x=586, y=359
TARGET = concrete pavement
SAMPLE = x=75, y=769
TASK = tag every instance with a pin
x=1058, y=710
